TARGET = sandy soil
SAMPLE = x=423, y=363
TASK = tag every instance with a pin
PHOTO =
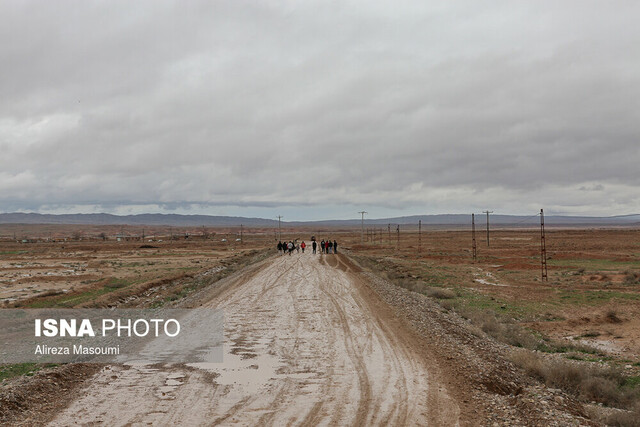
x=50, y=269
x=304, y=345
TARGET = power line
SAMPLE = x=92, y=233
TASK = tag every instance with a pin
x=279, y=229
x=525, y=219
x=362, y=232
x=487, y=212
x=543, y=249
x=473, y=236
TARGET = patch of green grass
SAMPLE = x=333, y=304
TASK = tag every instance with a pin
x=594, y=264
x=116, y=282
x=479, y=301
x=589, y=297
x=632, y=382
x=68, y=301
x=549, y=347
x=584, y=358
x=19, y=369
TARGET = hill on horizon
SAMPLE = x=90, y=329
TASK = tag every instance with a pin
x=222, y=221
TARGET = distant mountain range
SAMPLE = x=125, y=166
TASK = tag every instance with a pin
x=228, y=221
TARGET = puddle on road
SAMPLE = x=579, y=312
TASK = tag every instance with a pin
x=175, y=376
x=171, y=383
x=238, y=370
x=251, y=373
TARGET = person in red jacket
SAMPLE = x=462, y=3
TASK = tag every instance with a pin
x=303, y=245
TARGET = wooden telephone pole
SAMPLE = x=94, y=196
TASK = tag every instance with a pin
x=543, y=249
x=419, y=236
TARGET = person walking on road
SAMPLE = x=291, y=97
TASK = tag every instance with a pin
x=322, y=245
x=335, y=247
x=330, y=244
x=280, y=247
x=313, y=246
x=290, y=247
x=303, y=245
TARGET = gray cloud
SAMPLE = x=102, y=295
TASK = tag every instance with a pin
x=410, y=107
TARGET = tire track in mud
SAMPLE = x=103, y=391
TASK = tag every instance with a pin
x=354, y=355
x=398, y=413
x=303, y=346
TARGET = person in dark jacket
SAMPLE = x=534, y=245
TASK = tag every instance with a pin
x=330, y=245
x=313, y=245
x=335, y=247
x=280, y=247
x=322, y=245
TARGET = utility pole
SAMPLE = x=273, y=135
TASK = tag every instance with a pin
x=389, y=230
x=398, y=231
x=487, y=212
x=473, y=236
x=419, y=236
x=241, y=238
x=543, y=249
x=362, y=224
x=279, y=229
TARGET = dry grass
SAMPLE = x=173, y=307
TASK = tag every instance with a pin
x=618, y=418
x=500, y=329
x=631, y=278
x=440, y=293
x=419, y=286
x=589, y=383
x=612, y=317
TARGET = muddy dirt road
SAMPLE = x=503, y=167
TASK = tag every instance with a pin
x=305, y=344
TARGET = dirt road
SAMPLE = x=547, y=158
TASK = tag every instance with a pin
x=305, y=344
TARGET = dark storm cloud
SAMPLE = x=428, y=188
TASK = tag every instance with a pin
x=412, y=106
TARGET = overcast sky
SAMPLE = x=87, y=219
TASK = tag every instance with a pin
x=316, y=110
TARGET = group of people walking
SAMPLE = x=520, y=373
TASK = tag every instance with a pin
x=325, y=247
x=284, y=247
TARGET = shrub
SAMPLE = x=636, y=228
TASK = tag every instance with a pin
x=440, y=293
x=612, y=317
x=587, y=382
